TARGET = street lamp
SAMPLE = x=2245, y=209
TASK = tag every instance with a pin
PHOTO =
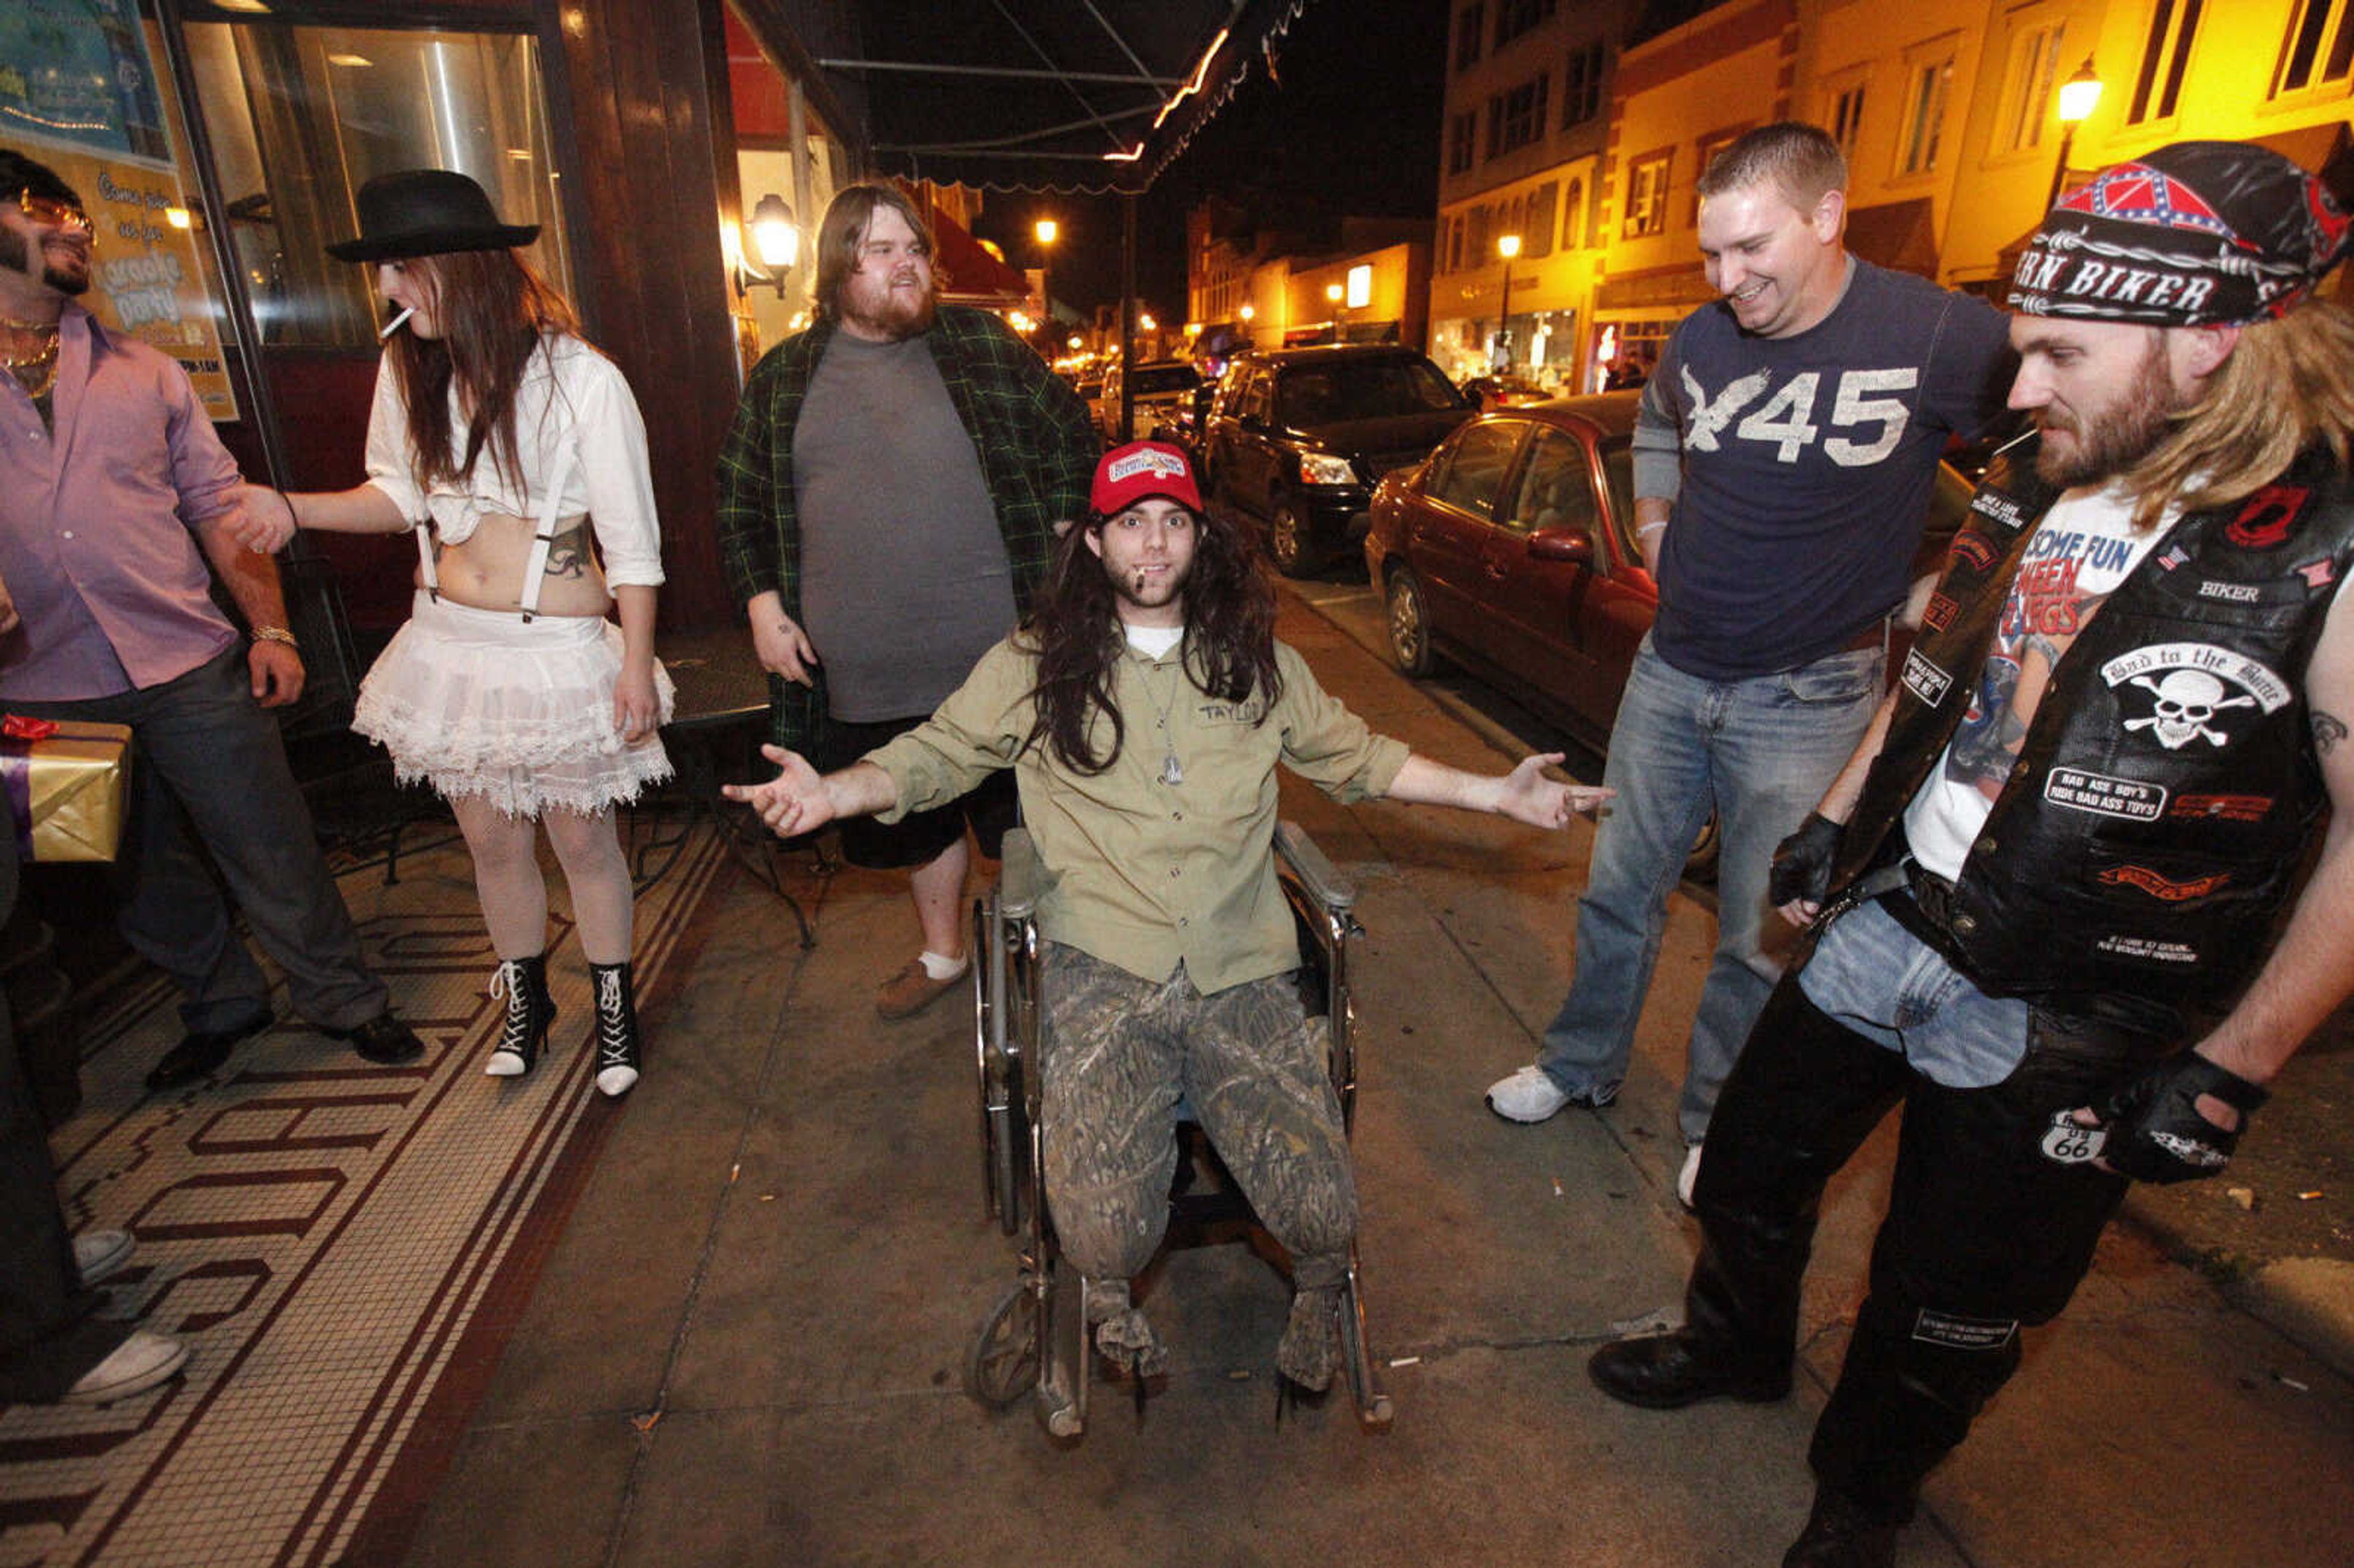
x=2078, y=95
x=1332, y=298
x=1047, y=230
x=1507, y=245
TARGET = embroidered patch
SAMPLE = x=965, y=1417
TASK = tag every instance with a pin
x=2069, y=1144
x=2264, y=521
x=2319, y=573
x=1939, y=613
x=1925, y=680
x=1997, y=508
x=1973, y=549
x=2173, y=555
x=1960, y=1333
x=2188, y=692
x=2105, y=796
x=2160, y=885
x=2231, y=593
x=2148, y=949
x=2224, y=807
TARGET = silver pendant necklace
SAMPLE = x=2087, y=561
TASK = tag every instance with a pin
x=1172, y=772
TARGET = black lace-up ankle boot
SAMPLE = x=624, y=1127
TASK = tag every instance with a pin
x=530, y=1009
x=617, y=1029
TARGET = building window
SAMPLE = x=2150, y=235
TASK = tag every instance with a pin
x=1647, y=195
x=2027, y=97
x=1360, y=289
x=1517, y=118
x=1462, y=141
x=1514, y=17
x=1930, y=77
x=1470, y=21
x=1581, y=85
x=2166, y=54
x=1844, y=115
x=2320, y=47
x=1572, y=217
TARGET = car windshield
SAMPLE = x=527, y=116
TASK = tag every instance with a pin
x=1166, y=378
x=1341, y=390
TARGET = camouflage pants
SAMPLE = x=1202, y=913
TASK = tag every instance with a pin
x=1120, y=1051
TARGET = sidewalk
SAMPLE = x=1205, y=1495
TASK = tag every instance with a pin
x=748, y=1346
x=442, y=1320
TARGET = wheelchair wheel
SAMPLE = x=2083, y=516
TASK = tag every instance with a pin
x=1003, y=1365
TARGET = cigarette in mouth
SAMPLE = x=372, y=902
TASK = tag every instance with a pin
x=394, y=324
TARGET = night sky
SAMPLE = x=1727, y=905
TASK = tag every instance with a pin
x=1351, y=126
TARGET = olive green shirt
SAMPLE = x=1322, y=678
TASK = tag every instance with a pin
x=1145, y=873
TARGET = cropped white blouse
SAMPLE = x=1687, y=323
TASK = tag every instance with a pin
x=576, y=426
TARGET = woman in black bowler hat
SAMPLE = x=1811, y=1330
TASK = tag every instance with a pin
x=508, y=444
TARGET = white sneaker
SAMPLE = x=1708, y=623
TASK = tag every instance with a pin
x=1530, y=1096
x=139, y=1363
x=1687, y=1178
x=99, y=1255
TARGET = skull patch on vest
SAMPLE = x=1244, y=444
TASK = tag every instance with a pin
x=2192, y=694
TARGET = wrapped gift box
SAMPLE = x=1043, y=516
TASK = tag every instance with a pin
x=67, y=783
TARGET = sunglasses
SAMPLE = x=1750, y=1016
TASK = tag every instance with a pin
x=55, y=213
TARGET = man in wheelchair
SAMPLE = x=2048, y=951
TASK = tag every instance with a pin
x=1143, y=709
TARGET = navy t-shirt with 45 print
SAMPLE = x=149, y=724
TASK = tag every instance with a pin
x=1807, y=463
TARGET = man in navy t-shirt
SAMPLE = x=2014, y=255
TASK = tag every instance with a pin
x=1784, y=458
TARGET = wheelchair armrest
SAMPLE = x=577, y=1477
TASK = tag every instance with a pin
x=1326, y=886
x=1022, y=879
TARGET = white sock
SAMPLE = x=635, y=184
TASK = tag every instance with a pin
x=938, y=968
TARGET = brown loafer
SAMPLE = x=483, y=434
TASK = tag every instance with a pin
x=913, y=989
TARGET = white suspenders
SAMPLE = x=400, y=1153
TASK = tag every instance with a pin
x=551, y=512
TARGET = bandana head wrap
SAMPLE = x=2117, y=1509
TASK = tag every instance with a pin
x=2195, y=234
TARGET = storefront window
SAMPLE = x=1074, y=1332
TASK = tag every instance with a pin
x=301, y=117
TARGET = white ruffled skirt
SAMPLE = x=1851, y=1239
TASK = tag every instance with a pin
x=481, y=704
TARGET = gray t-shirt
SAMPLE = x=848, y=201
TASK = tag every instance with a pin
x=905, y=583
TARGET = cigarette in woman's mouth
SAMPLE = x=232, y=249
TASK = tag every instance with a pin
x=394, y=324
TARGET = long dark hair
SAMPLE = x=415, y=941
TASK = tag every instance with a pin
x=1229, y=647
x=493, y=309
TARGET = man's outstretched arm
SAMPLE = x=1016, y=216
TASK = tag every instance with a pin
x=1524, y=794
x=801, y=800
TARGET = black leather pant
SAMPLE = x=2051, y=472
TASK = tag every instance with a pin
x=1984, y=1234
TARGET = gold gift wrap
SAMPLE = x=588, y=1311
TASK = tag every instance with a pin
x=67, y=783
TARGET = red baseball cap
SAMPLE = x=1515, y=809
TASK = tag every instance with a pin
x=1139, y=472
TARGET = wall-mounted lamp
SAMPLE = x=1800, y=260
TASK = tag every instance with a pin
x=2079, y=96
x=778, y=242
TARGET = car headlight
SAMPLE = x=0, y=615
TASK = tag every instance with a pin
x=1317, y=468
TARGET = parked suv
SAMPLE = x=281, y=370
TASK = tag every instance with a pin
x=1298, y=437
x=1164, y=390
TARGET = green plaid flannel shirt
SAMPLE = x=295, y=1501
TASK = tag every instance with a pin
x=1036, y=444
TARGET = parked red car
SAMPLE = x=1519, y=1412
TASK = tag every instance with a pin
x=1511, y=549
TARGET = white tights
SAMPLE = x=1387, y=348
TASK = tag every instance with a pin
x=513, y=891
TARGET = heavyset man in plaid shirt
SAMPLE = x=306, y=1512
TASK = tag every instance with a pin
x=889, y=496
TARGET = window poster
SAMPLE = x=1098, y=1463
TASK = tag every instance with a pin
x=78, y=91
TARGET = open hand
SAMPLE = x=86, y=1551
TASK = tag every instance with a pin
x=794, y=802
x=1527, y=796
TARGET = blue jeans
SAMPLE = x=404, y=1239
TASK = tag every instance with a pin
x=1875, y=978
x=1758, y=752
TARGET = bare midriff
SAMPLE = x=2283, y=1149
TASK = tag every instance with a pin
x=486, y=571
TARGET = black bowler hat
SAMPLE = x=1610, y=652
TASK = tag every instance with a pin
x=426, y=212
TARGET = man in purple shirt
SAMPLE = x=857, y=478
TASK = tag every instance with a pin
x=114, y=495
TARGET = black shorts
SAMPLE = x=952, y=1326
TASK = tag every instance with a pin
x=920, y=837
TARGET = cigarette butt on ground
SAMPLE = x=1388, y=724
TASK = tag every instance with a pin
x=1405, y=1360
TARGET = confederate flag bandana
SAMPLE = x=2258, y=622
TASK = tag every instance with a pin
x=2195, y=234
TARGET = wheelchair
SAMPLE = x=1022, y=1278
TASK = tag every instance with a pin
x=1037, y=1335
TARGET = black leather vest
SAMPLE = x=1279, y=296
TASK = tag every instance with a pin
x=2167, y=794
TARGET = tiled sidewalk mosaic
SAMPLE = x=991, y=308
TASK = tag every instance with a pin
x=334, y=1240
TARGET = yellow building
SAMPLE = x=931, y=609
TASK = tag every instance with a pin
x=1520, y=156
x=1947, y=109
